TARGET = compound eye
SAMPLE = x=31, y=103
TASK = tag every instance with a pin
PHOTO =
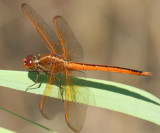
x=29, y=62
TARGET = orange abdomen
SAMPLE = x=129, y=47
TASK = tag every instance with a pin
x=75, y=66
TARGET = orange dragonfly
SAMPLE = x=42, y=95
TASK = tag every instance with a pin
x=65, y=54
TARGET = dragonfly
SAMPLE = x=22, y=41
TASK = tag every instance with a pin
x=65, y=56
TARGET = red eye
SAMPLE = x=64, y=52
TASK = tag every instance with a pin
x=28, y=62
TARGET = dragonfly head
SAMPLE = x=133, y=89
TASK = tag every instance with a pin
x=29, y=62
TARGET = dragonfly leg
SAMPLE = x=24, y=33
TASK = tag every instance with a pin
x=28, y=88
x=61, y=89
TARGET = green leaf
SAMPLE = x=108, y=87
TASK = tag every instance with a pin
x=3, y=130
x=105, y=94
x=7, y=131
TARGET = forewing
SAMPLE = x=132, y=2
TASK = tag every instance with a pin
x=48, y=34
x=71, y=48
x=50, y=106
x=75, y=112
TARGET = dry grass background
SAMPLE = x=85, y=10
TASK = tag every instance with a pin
x=123, y=33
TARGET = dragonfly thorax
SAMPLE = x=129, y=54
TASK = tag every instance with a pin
x=43, y=63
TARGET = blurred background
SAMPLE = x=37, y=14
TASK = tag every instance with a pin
x=121, y=33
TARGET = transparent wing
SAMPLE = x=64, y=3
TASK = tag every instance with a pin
x=75, y=112
x=50, y=106
x=48, y=34
x=71, y=49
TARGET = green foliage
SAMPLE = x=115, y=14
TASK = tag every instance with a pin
x=105, y=94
